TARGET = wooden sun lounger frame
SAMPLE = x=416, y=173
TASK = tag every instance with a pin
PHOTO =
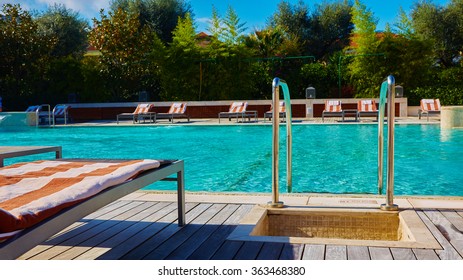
x=31, y=237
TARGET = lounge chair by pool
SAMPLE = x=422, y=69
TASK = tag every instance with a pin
x=61, y=111
x=64, y=191
x=176, y=110
x=332, y=108
x=429, y=106
x=238, y=110
x=282, y=111
x=367, y=108
x=142, y=112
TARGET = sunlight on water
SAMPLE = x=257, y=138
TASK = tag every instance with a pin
x=326, y=158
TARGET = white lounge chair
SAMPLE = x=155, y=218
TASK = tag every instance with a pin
x=367, y=108
x=429, y=106
x=238, y=110
x=332, y=108
x=34, y=212
x=282, y=111
x=176, y=110
x=142, y=112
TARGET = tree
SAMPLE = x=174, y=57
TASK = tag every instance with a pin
x=367, y=68
x=25, y=55
x=160, y=15
x=330, y=28
x=127, y=50
x=443, y=26
x=69, y=30
x=233, y=28
x=180, y=79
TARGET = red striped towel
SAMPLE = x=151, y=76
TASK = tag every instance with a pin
x=430, y=105
x=143, y=109
x=238, y=107
x=333, y=106
x=177, y=108
x=31, y=192
x=366, y=106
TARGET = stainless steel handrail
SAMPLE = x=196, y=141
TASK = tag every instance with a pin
x=37, y=114
x=276, y=141
x=389, y=205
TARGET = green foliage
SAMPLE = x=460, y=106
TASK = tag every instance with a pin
x=367, y=67
x=160, y=15
x=24, y=57
x=443, y=26
x=329, y=30
x=126, y=47
x=68, y=29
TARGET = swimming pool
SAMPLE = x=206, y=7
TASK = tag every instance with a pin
x=326, y=158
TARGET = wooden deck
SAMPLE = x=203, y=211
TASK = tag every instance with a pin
x=141, y=227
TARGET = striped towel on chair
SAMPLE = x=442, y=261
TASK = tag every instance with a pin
x=238, y=107
x=31, y=192
x=333, y=106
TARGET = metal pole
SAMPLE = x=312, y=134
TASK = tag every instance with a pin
x=390, y=206
x=275, y=143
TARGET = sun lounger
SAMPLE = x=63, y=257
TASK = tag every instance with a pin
x=61, y=111
x=332, y=108
x=282, y=111
x=39, y=199
x=143, y=112
x=429, y=106
x=238, y=110
x=367, y=108
x=176, y=110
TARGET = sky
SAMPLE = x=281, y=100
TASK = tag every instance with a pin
x=254, y=13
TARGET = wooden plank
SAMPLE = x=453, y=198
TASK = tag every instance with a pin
x=68, y=240
x=270, y=251
x=425, y=254
x=214, y=242
x=161, y=219
x=120, y=223
x=336, y=252
x=443, y=232
x=402, y=254
x=292, y=252
x=454, y=218
x=380, y=253
x=175, y=240
x=357, y=253
x=152, y=214
x=77, y=228
x=228, y=250
x=194, y=242
x=249, y=251
x=314, y=252
x=155, y=240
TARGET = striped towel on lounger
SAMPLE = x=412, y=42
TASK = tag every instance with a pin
x=31, y=192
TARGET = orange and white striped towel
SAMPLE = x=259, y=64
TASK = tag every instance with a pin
x=177, y=108
x=142, y=109
x=366, y=106
x=333, y=106
x=430, y=105
x=238, y=107
x=31, y=192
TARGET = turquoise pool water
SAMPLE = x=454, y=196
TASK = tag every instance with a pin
x=326, y=158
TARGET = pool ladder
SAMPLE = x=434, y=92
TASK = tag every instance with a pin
x=387, y=87
x=276, y=203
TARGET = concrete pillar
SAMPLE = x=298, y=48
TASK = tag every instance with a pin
x=451, y=117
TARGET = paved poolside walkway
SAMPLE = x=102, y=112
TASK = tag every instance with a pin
x=143, y=225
